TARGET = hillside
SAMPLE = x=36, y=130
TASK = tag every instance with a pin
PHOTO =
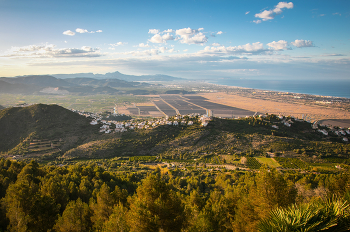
x=38, y=80
x=20, y=126
x=222, y=138
x=1, y=107
x=16, y=88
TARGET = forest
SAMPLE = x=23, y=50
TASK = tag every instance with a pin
x=59, y=173
x=87, y=196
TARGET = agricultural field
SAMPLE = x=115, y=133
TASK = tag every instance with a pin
x=218, y=110
x=164, y=107
x=171, y=104
x=91, y=103
x=292, y=163
x=271, y=162
x=184, y=107
x=252, y=163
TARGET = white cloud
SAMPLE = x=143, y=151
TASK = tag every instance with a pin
x=157, y=38
x=153, y=31
x=169, y=31
x=79, y=30
x=270, y=14
x=254, y=48
x=142, y=45
x=168, y=37
x=280, y=45
x=118, y=44
x=191, y=36
x=150, y=52
x=337, y=14
x=247, y=12
x=257, y=21
x=215, y=44
x=50, y=51
x=302, y=43
x=186, y=50
x=68, y=32
x=162, y=49
x=219, y=33
x=99, y=31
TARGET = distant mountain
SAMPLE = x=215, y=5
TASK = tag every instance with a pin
x=120, y=76
x=51, y=85
x=1, y=107
x=42, y=122
x=38, y=80
x=17, y=88
x=103, y=82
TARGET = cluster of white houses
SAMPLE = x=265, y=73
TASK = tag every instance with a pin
x=315, y=126
x=115, y=126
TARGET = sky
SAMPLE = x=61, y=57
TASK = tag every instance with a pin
x=196, y=39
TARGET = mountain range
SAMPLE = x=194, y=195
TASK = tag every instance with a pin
x=120, y=76
x=44, y=84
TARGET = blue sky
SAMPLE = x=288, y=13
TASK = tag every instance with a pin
x=201, y=39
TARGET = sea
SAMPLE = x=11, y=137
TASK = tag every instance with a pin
x=333, y=88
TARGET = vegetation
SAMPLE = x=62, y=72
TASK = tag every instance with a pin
x=87, y=197
x=69, y=177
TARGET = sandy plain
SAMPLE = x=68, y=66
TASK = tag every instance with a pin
x=309, y=112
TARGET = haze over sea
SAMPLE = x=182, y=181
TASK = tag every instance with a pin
x=334, y=88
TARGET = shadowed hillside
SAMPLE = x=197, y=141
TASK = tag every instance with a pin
x=40, y=121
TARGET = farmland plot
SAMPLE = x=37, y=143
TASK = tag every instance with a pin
x=218, y=110
x=184, y=107
x=165, y=107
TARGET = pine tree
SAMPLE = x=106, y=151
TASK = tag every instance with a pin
x=75, y=218
x=155, y=207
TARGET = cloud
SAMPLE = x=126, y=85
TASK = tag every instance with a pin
x=257, y=21
x=153, y=31
x=191, y=36
x=116, y=45
x=219, y=33
x=280, y=45
x=150, y=52
x=142, y=45
x=302, y=43
x=337, y=14
x=169, y=31
x=68, y=32
x=157, y=38
x=333, y=55
x=254, y=48
x=49, y=51
x=215, y=44
x=79, y=30
x=247, y=12
x=270, y=14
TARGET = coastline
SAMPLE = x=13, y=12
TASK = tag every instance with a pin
x=279, y=107
x=327, y=89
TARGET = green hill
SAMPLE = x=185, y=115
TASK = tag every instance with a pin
x=222, y=137
x=22, y=127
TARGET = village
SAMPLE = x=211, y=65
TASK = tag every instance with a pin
x=112, y=126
